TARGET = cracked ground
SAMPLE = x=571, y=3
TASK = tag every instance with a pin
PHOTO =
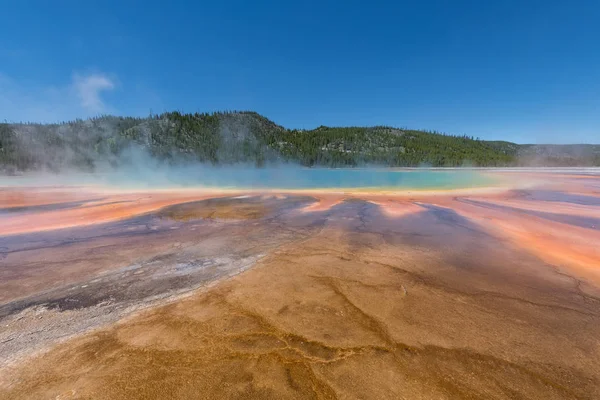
x=487, y=296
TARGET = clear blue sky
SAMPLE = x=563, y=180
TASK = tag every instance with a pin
x=525, y=71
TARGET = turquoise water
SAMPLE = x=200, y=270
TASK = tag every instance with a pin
x=265, y=178
x=315, y=178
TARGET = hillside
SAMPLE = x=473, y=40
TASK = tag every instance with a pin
x=247, y=137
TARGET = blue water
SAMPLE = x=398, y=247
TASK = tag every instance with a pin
x=315, y=178
x=266, y=178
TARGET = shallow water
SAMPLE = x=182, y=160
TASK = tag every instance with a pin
x=288, y=178
x=344, y=178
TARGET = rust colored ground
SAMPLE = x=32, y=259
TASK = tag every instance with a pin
x=424, y=297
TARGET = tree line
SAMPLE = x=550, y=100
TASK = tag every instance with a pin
x=248, y=137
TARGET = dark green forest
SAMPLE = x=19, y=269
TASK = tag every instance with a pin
x=248, y=137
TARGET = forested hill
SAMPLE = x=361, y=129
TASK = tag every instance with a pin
x=247, y=137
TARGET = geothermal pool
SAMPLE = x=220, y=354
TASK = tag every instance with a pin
x=313, y=284
x=286, y=178
x=314, y=178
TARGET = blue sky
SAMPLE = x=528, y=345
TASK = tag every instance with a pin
x=526, y=71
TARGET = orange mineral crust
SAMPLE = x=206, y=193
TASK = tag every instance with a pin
x=27, y=197
x=179, y=294
x=324, y=202
x=562, y=244
x=95, y=208
x=395, y=207
x=556, y=207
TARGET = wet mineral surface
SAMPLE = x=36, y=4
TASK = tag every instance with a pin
x=291, y=295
